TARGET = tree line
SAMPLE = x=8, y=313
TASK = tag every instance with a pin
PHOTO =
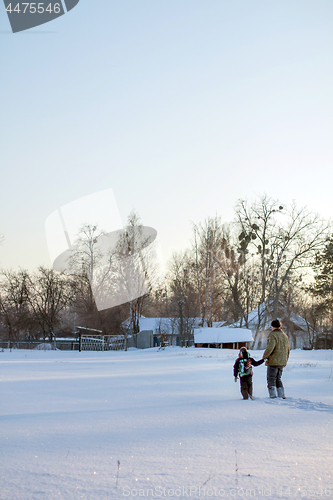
x=269, y=254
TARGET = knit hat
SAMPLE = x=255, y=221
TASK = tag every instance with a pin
x=243, y=352
x=276, y=323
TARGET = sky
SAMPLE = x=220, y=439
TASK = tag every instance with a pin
x=180, y=107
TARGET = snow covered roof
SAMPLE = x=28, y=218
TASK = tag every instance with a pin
x=164, y=325
x=221, y=335
x=266, y=311
x=155, y=324
x=167, y=325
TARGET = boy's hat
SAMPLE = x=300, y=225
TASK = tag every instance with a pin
x=244, y=353
x=276, y=323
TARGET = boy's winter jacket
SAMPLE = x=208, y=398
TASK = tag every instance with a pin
x=277, y=350
x=248, y=366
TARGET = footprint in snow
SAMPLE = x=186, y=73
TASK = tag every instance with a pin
x=301, y=404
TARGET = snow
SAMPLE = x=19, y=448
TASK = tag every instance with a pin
x=174, y=420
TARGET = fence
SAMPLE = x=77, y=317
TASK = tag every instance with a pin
x=81, y=343
x=101, y=342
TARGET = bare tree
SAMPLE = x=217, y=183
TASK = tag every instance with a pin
x=115, y=268
x=257, y=224
x=87, y=263
x=298, y=240
x=48, y=294
x=135, y=268
x=239, y=276
x=86, y=254
x=182, y=296
x=206, y=245
x=14, y=305
x=284, y=240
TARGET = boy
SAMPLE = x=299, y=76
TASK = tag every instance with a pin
x=243, y=368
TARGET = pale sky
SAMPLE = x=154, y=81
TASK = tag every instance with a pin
x=180, y=106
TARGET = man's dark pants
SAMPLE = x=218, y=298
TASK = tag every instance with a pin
x=274, y=374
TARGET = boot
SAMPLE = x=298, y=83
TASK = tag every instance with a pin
x=280, y=393
x=272, y=392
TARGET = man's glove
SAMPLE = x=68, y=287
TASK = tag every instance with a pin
x=236, y=378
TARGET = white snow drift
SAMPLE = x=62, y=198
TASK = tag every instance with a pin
x=162, y=424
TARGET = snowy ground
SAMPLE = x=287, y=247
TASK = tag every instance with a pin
x=173, y=420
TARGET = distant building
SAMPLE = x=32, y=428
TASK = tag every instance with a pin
x=259, y=322
x=223, y=337
x=324, y=340
x=174, y=331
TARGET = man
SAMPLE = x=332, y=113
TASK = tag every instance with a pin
x=276, y=355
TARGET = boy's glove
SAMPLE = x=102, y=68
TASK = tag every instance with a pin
x=236, y=378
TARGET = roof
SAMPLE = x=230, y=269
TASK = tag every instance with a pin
x=155, y=324
x=221, y=335
x=164, y=325
x=167, y=325
x=266, y=310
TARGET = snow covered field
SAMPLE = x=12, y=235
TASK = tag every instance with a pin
x=162, y=424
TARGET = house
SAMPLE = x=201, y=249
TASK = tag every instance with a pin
x=175, y=331
x=296, y=327
x=223, y=337
x=324, y=340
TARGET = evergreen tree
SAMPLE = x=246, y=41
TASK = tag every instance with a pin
x=323, y=286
